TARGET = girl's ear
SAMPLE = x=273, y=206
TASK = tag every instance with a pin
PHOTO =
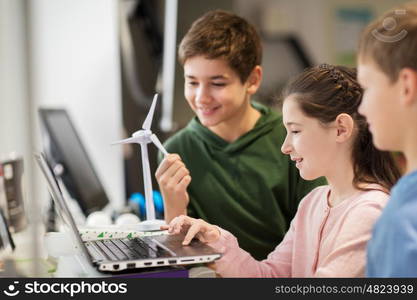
x=408, y=79
x=254, y=80
x=344, y=127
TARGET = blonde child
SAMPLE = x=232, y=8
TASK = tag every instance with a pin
x=387, y=70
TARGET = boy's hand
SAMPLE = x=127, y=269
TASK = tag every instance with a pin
x=173, y=179
x=198, y=228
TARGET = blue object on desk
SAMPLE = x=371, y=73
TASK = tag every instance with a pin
x=139, y=201
x=158, y=201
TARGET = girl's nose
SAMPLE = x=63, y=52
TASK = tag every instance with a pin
x=286, y=147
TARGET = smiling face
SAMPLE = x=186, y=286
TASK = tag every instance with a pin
x=309, y=143
x=215, y=92
x=380, y=105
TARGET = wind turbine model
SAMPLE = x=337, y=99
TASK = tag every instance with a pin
x=143, y=137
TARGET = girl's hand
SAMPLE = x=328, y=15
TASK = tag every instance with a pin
x=198, y=228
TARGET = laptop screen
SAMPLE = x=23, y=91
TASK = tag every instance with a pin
x=61, y=205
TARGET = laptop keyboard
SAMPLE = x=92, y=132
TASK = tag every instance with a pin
x=130, y=249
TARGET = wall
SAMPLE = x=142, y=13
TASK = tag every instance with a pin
x=14, y=105
x=15, y=120
x=74, y=64
x=312, y=21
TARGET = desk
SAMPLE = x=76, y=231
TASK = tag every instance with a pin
x=25, y=260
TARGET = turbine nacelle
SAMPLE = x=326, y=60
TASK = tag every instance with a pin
x=142, y=133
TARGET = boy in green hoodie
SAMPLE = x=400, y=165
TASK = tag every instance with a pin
x=228, y=168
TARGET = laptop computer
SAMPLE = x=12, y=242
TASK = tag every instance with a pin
x=115, y=255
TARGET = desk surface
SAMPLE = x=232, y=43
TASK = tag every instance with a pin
x=27, y=260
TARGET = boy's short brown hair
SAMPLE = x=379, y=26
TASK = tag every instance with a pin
x=221, y=34
x=391, y=41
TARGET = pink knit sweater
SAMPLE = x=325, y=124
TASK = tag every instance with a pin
x=322, y=241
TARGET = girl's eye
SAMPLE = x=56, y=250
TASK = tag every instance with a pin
x=295, y=131
x=192, y=83
x=219, y=83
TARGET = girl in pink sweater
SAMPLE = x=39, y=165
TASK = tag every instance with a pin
x=326, y=136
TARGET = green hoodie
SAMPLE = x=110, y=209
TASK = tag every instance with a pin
x=248, y=187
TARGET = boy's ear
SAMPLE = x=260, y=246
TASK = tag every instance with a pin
x=344, y=126
x=408, y=79
x=254, y=80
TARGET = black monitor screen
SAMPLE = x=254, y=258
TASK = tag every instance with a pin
x=65, y=148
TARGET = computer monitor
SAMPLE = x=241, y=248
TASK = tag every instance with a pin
x=64, y=147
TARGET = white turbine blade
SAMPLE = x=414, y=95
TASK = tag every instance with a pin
x=148, y=121
x=126, y=141
x=158, y=144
